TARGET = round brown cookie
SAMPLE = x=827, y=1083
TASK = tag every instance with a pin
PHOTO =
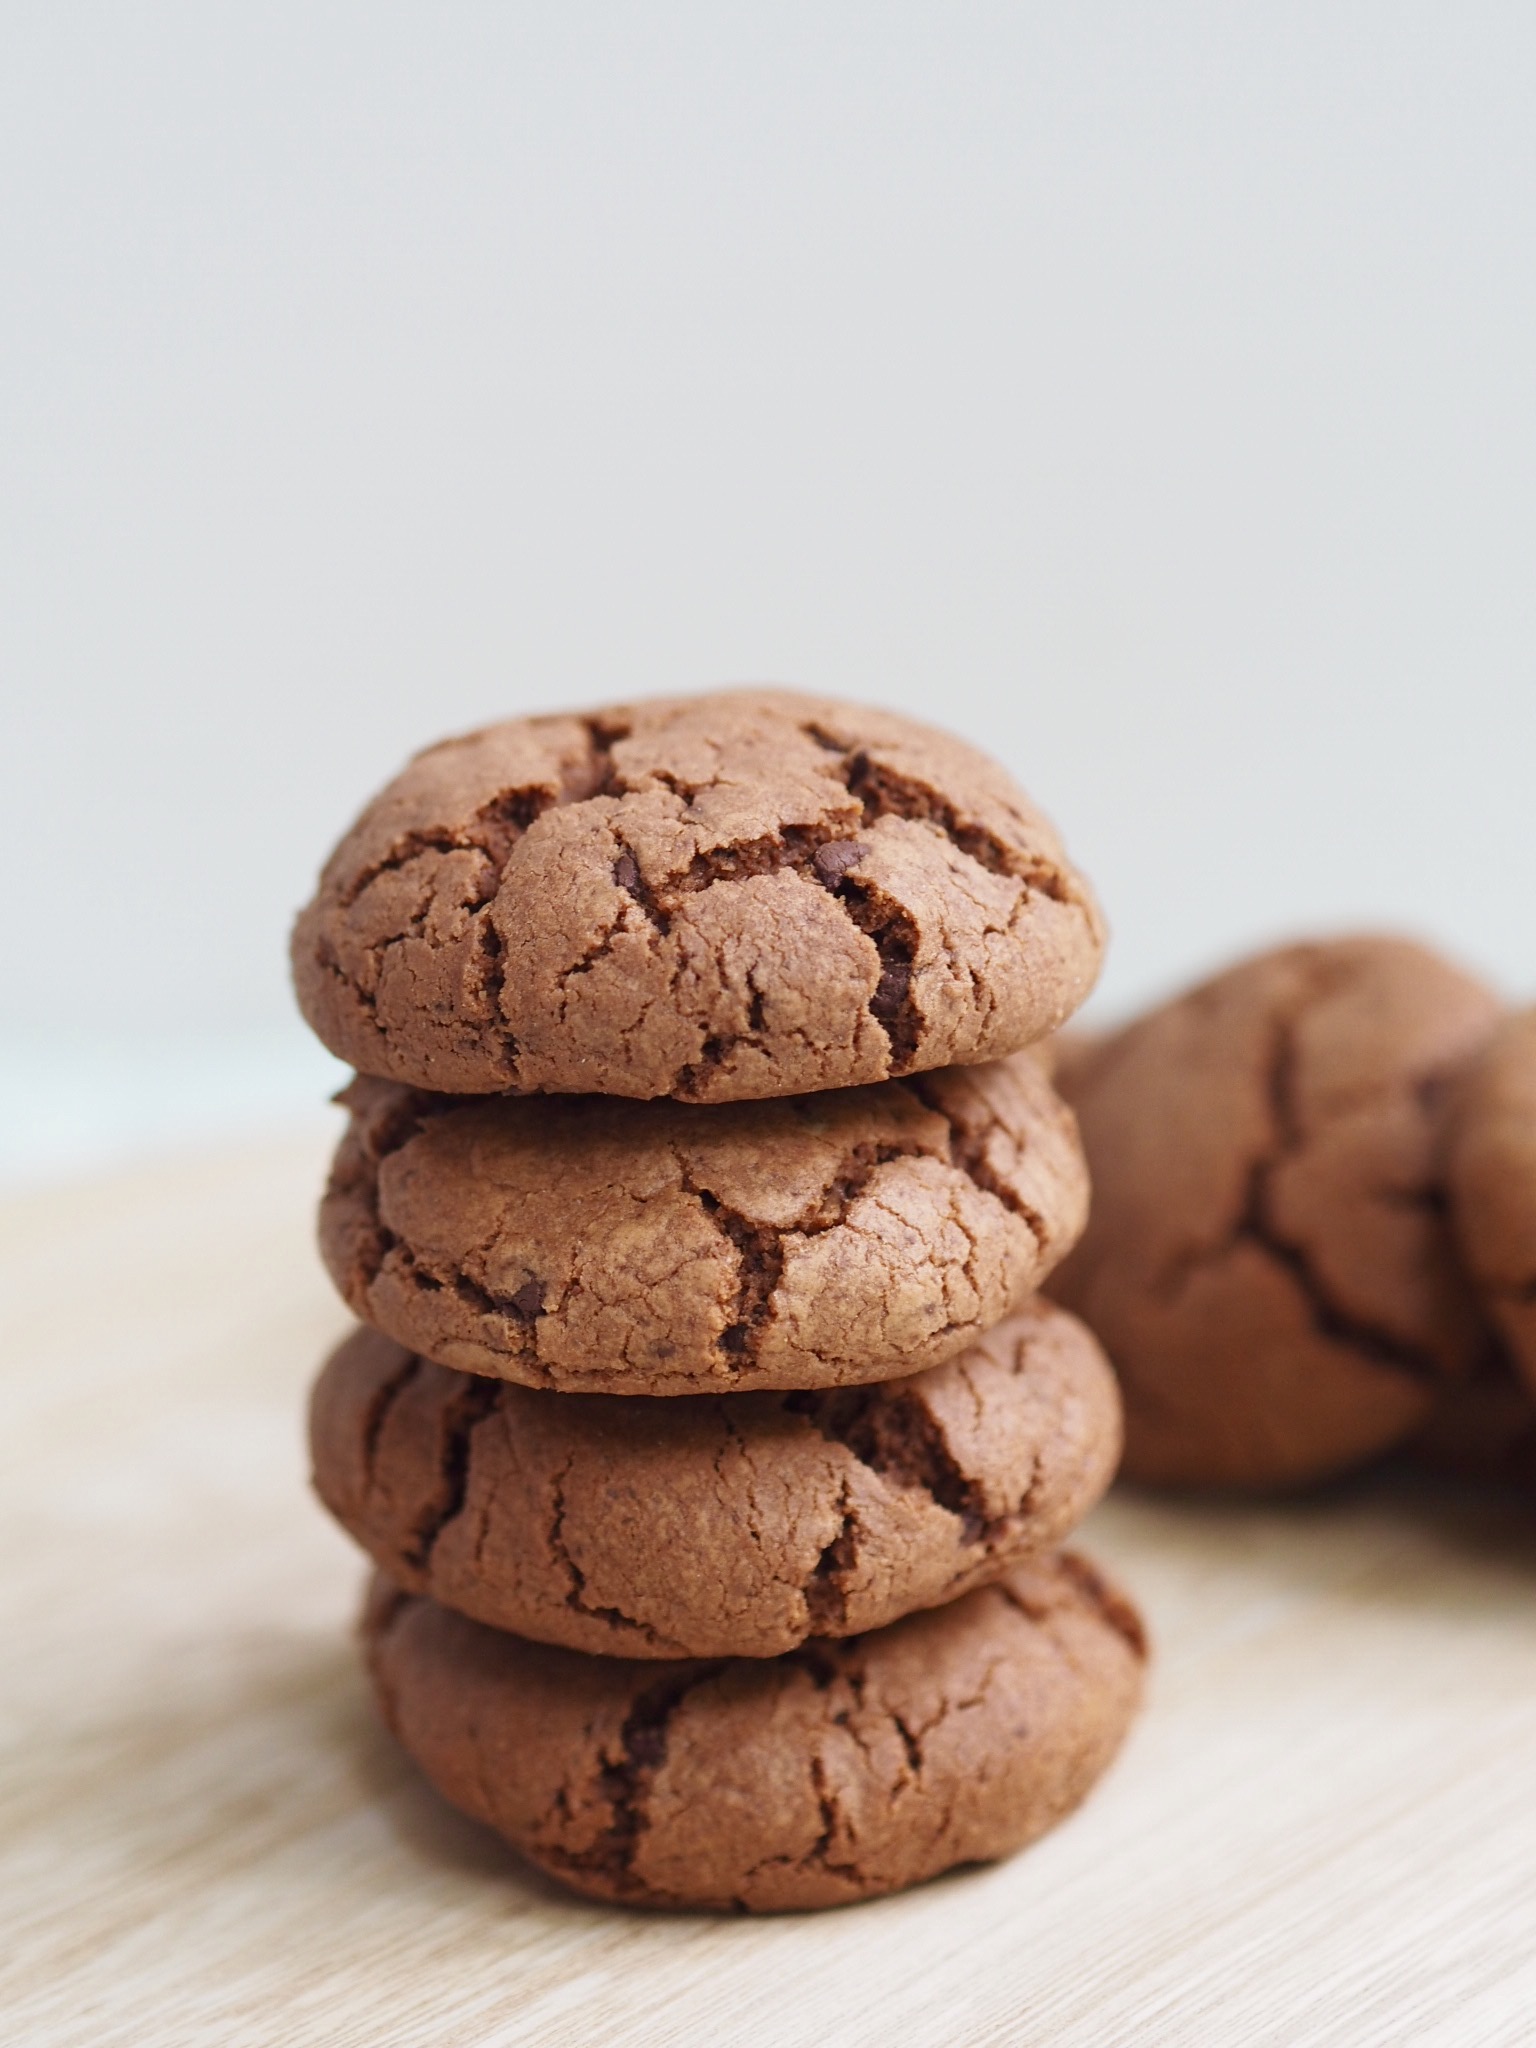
x=1268, y=1262
x=724, y=1525
x=835, y=1773
x=723, y=897
x=600, y=1246
x=1491, y=1172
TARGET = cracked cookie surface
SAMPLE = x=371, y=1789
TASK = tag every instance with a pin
x=1268, y=1261
x=594, y=1245
x=837, y=1772
x=715, y=1525
x=1491, y=1173
x=718, y=898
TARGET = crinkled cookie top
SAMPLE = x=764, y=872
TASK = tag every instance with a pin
x=594, y=1245
x=715, y=1525
x=745, y=894
x=837, y=1772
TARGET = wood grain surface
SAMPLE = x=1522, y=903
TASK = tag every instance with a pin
x=1324, y=1830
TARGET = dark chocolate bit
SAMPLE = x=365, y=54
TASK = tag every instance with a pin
x=529, y=1298
x=895, y=980
x=626, y=871
x=833, y=860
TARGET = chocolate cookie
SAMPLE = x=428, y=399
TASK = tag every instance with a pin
x=835, y=1773
x=718, y=898
x=1491, y=1173
x=1268, y=1262
x=600, y=1246
x=729, y=1525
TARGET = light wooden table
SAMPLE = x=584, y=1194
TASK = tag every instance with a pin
x=1323, y=1831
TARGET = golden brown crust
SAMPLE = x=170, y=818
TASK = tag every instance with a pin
x=1491, y=1173
x=837, y=1772
x=718, y=898
x=715, y=1525
x=1267, y=1261
x=595, y=1245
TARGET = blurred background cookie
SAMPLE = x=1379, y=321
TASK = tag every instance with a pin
x=1268, y=1260
x=1482, y=1430
x=1491, y=1173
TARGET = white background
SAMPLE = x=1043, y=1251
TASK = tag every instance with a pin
x=1148, y=391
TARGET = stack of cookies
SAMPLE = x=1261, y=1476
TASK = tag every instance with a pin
x=704, y=1423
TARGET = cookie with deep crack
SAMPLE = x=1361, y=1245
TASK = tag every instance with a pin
x=834, y=1773
x=1268, y=1261
x=1491, y=1172
x=728, y=1525
x=594, y=1245
x=718, y=898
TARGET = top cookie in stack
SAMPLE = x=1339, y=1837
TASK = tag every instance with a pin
x=716, y=898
